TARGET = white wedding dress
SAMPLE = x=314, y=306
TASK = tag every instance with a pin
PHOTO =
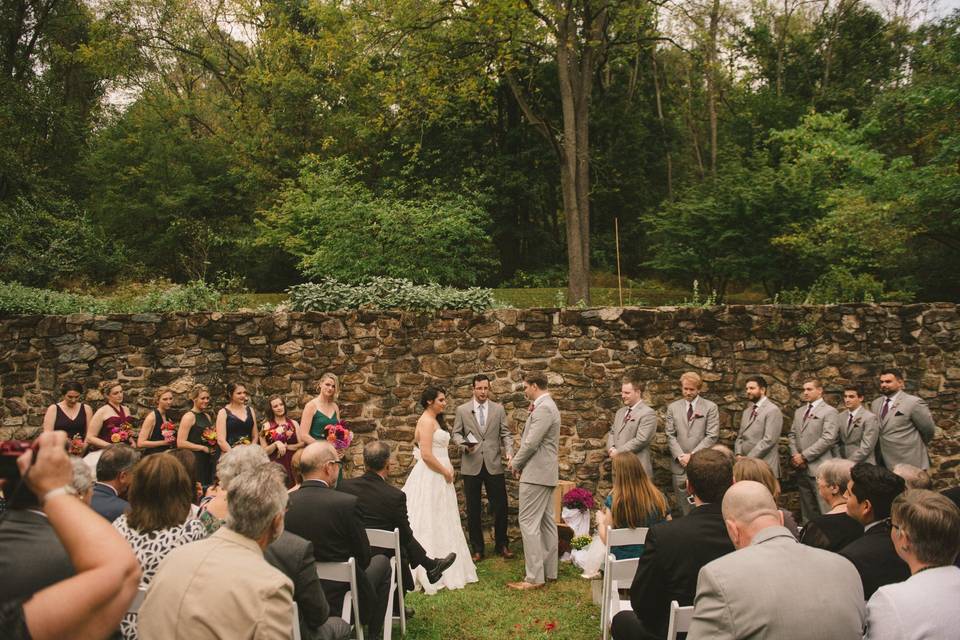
x=435, y=519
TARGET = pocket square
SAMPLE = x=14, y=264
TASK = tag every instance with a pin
x=898, y=413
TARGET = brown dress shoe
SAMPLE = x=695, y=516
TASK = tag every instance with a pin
x=506, y=553
x=524, y=586
x=477, y=557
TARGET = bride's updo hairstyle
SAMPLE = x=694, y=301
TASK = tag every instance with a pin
x=429, y=395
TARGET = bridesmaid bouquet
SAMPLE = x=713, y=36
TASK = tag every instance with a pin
x=209, y=437
x=122, y=432
x=280, y=433
x=339, y=435
x=76, y=445
x=242, y=441
x=169, y=431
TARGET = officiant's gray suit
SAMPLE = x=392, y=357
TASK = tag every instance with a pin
x=759, y=435
x=904, y=430
x=701, y=431
x=483, y=468
x=634, y=433
x=538, y=463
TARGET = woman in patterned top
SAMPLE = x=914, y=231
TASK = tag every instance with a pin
x=160, y=498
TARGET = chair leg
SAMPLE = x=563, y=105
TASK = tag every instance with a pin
x=388, y=617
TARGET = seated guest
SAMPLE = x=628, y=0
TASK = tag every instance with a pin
x=189, y=462
x=333, y=522
x=835, y=529
x=869, y=495
x=634, y=502
x=953, y=494
x=88, y=604
x=926, y=535
x=114, y=469
x=31, y=555
x=294, y=557
x=240, y=458
x=725, y=450
x=221, y=587
x=675, y=551
x=157, y=523
x=772, y=586
x=383, y=506
x=759, y=471
x=83, y=479
x=914, y=477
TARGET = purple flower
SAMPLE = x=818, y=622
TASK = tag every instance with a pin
x=578, y=498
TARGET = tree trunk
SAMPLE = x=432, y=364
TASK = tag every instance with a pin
x=712, y=83
x=663, y=127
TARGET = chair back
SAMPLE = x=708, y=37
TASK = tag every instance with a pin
x=680, y=618
x=295, y=632
x=344, y=572
x=391, y=540
x=137, y=601
x=620, y=537
x=617, y=574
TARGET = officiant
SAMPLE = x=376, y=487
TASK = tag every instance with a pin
x=480, y=430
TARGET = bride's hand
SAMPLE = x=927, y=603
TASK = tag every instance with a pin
x=448, y=475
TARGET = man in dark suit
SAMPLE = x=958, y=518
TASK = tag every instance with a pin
x=293, y=555
x=383, y=506
x=333, y=522
x=675, y=551
x=869, y=495
x=114, y=471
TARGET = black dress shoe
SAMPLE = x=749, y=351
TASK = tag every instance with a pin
x=434, y=575
x=408, y=613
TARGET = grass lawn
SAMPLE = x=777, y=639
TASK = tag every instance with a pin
x=488, y=610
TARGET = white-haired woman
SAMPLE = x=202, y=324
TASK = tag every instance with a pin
x=213, y=512
x=834, y=529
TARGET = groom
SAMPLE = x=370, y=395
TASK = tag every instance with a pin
x=538, y=467
x=481, y=464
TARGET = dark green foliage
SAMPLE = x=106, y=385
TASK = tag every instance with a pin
x=330, y=294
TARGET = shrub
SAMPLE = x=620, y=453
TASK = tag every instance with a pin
x=331, y=294
x=153, y=297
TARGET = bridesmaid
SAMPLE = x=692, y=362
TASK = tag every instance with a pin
x=110, y=415
x=231, y=428
x=280, y=449
x=320, y=411
x=190, y=435
x=71, y=414
x=151, y=439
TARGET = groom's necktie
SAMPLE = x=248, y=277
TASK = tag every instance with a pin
x=481, y=419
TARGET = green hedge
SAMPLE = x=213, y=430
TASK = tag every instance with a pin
x=194, y=296
x=331, y=294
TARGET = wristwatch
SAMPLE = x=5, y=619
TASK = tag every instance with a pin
x=64, y=490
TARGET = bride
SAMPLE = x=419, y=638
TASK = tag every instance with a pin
x=432, y=499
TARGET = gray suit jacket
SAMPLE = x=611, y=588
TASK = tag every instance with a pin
x=759, y=437
x=778, y=588
x=815, y=436
x=687, y=437
x=487, y=453
x=636, y=434
x=537, y=460
x=858, y=441
x=904, y=431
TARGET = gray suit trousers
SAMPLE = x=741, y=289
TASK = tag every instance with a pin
x=539, y=532
x=811, y=504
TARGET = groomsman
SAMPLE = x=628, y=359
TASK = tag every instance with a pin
x=692, y=424
x=905, y=423
x=760, y=426
x=859, y=428
x=812, y=435
x=537, y=464
x=481, y=464
x=634, y=425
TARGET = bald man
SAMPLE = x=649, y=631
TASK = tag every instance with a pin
x=772, y=586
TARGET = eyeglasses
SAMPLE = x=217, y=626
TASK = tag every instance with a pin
x=337, y=461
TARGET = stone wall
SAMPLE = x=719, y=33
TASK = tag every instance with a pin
x=386, y=358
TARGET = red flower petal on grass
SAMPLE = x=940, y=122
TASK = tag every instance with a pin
x=550, y=626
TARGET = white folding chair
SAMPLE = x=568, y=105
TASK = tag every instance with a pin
x=295, y=632
x=137, y=601
x=615, y=574
x=616, y=538
x=344, y=572
x=680, y=618
x=391, y=540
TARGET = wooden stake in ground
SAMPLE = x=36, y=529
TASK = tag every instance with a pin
x=616, y=239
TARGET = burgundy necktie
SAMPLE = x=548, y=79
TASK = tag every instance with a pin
x=689, y=412
x=807, y=414
x=886, y=408
x=849, y=421
x=753, y=414
x=626, y=417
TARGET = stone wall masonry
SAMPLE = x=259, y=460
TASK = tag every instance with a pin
x=386, y=358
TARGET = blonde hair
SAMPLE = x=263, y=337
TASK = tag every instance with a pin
x=759, y=471
x=635, y=497
x=160, y=393
x=336, y=383
x=197, y=390
x=692, y=376
x=107, y=386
